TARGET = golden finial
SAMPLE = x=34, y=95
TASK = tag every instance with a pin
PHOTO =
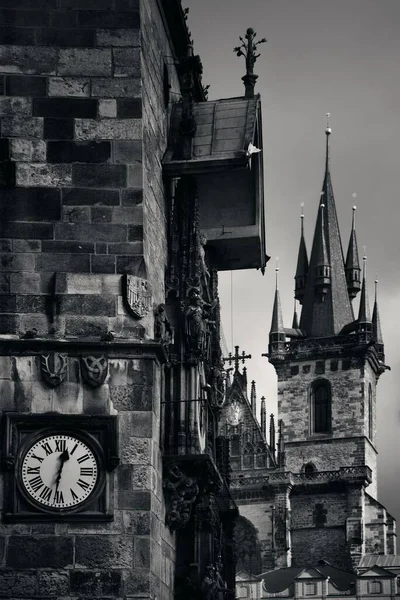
x=328, y=129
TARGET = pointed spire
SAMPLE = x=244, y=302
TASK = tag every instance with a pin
x=272, y=435
x=376, y=320
x=277, y=335
x=352, y=268
x=281, y=446
x=302, y=263
x=364, y=313
x=295, y=322
x=244, y=381
x=263, y=418
x=253, y=397
x=326, y=272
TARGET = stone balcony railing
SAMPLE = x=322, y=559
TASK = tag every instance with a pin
x=344, y=474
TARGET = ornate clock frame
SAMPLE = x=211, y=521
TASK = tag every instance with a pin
x=19, y=431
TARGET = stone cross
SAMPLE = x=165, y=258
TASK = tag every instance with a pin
x=236, y=358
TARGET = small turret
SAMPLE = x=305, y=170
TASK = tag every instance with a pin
x=364, y=313
x=352, y=267
x=263, y=418
x=253, y=397
x=376, y=326
x=272, y=435
x=277, y=336
x=322, y=275
x=281, y=446
x=302, y=264
x=295, y=322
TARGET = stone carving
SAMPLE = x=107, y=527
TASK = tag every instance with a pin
x=182, y=491
x=213, y=586
x=137, y=295
x=163, y=331
x=195, y=329
x=94, y=369
x=54, y=368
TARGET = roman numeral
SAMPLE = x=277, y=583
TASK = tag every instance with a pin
x=58, y=498
x=61, y=445
x=83, y=484
x=46, y=494
x=86, y=471
x=74, y=496
x=33, y=471
x=36, y=483
x=47, y=448
x=39, y=458
x=82, y=459
x=74, y=448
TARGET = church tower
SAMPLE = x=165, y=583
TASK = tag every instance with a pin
x=328, y=368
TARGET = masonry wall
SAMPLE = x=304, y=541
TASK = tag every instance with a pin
x=83, y=130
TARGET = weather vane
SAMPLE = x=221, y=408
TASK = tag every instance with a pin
x=248, y=50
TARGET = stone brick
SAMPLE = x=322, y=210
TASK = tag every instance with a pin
x=108, y=129
x=68, y=247
x=127, y=4
x=41, y=174
x=53, y=583
x=31, y=303
x=133, y=248
x=96, y=401
x=17, y=262
x=23, y=18
x=102, y=263
x=4, y=149
x=118, y=37
x=57, y=36
x=7, y=303
x=1, y=84
x=16, y=583
x=23, y=85
x=76, y=263
x=28, y=231
x=31, y=60
x=82, y=232
x=88, y=304
x=64, y=18
x=129, y=264
x=129, y=107
x=135, y=175
x=116, y=88
x=137, y=581
x=19, y=126
x=30, y=204
x=102, y=551
x=29, y=552
x=65, y=107
x=90, y=197
x=28, y=150
x=101, y=214
x=108, y=108
x=9, y=324
x=131, y=196
x=82, y=61
x=7, y=174
x=102, y=175
x=85, y=152
x=108, y=19
x=135, y=450
x=17, y=35
x=26, y=245
x=25, y=283
x=19, y=106
x=132, y=397
x=126, y=62
x=85, y=326
x=69, y=86
x=126, y=152
x=96, y=583
x=76, y=214
x=134, y=500
x=58, y=129
x=39, y=4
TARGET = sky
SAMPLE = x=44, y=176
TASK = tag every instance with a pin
x=322, y=56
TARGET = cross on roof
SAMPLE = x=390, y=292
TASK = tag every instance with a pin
x=236, y=358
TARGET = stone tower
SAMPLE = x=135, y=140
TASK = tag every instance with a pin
x=328, y=368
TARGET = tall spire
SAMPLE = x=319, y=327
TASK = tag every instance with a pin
x=295, y=322
x=253, y=397
x=352, y=268
x=364, y=313
x=277, y=335
x=302, y=263
x=376, y=320
x=326, y=314
x=272, y=435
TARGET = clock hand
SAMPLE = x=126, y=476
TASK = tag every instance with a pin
x=64, y=456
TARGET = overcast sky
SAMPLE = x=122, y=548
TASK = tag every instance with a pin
x=322, y=56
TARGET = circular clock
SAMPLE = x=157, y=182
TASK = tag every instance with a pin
x=59, y=471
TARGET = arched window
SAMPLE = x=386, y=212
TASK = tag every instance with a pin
x=321, y=414
x=248, y=455
x=370, y=414
x=309, y=469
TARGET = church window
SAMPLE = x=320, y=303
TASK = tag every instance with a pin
x=321, y=407
x=248, y=455
x=309, y=469
x=235, y=446
x=375, y=587
x=309, y=588
x=370, y=414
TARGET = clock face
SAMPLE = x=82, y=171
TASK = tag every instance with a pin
x=59, y=471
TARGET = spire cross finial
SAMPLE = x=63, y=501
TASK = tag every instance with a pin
x=328, y=132
x=276, y=271
x=248, y=50
x=376, y=288
x=354, y=208
x=236, y=358
x=328, y=129
x=302, y=218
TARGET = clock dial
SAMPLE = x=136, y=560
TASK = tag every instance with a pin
x=59, y=471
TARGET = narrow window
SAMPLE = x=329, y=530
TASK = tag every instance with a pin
x=310, y=588
x=370, y=415
x=321, y=407
x=375, y=587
